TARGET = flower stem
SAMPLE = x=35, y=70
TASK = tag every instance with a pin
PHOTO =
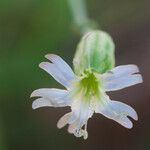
x=80, y=17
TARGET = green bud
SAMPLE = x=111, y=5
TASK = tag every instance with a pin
x=95, y=52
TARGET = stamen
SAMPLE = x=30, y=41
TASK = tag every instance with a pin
x=82, y=132
x=78, y=133
x=85, y=135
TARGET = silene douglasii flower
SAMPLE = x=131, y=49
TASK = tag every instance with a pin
x=85, y=89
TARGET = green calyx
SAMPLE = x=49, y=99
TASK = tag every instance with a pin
x=95, y=51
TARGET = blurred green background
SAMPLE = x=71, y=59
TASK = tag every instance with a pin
x=29, y=29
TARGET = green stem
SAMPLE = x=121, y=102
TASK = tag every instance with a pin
x=80, y=16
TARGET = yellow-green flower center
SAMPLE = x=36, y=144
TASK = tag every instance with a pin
x=90, y=84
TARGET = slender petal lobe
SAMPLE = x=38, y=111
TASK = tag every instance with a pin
x=49, y=93
x=41, y=102
x=81, y=113
x=52, y=97
x=63, y=120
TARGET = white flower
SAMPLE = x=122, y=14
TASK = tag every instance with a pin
x=86, y=94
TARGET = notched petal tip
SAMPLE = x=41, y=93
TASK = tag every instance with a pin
x=124, y=109
x=126, y=69
x=119, y=112
x=63, y=121
x=43, y=65
x=41, y=102
x=44, y=92
x=58, y=69
x=127, y=123
x=140, y=78
x=129, y=111
x=51, y=56
x=34, y=105
x=134, y=115
x=34, y=94
x=135, y=79
x=133, y=68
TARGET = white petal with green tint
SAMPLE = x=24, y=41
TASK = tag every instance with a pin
x=51, y=97
x=117, y=111
x=121, y=77
x=58, y=69
x=125, y=70
x=63, y=120
x=63, y=67
x=41, y=102
x=50, y=93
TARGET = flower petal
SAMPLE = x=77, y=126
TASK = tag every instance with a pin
x=122, y=82
x=81, y=112
x=124, y=121
x=121, y=77
x=123, y=108
x=53, y=97
x=63, y=120
x=50, y=93
x=72, y=127
x=84, y=115
x=118, y=112
x=72, y=118
x=58, y=69
x=125, y=70
x=41, y=102
x=54, y=72
x=62, y=65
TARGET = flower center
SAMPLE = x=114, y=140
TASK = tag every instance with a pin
x=90, y=84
